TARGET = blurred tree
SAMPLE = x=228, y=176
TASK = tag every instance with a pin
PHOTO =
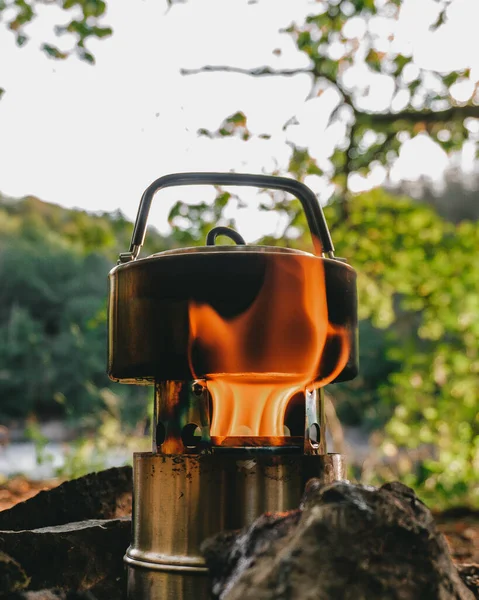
x=353, y=51
x=85, y=22
x=456, y=198
x=419, y=304
x=84, y=19
x=33, y=219
x=53, y=268
x=418, y=290
x=417, y=278
x=352, y=48
x=419, y=323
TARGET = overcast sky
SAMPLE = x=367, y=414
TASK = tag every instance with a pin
x=95, y=137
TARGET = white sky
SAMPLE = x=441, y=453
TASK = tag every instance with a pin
x=95, y=137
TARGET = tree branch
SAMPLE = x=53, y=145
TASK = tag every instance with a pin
x=344, y=204
x=258, y=72
x=455, y=113
x=269, y=72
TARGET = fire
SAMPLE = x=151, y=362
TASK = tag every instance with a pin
x=245, y=408
x=257, y=360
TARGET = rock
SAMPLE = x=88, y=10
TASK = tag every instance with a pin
x=12, y=576
x=87, y=555
x=102, y=495
x=50, y=595
x=470, y=576
x=347, y=541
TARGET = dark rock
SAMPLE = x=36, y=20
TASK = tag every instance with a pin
x=470, y=576
x=50, y=595
x=12, y=576
x=77, y=556
x=102, y=495
x=349, y=541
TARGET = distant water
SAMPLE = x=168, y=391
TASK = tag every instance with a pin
x=21, y=458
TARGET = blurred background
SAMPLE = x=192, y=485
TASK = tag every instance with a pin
x=372, y=103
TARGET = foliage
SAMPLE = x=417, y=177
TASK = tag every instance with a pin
x=419, y=349
x=95, y=451
x=107, y=443
x=199, y=219
x=40, y=441
x=419, y=304
x=84, y=20
x=418, y=278
x=353, y=50
x=53, y=265
x=108, y=233
x=419, y=329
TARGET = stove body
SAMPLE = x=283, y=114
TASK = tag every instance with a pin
x=200, y=479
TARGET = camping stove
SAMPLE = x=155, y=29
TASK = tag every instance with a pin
x=238, y=341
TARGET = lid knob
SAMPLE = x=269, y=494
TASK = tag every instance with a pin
x=226, y=231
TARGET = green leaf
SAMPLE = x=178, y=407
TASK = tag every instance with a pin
x=21, y=40
x=53, y=52
x=441, y=19
x=302, y=164
x=101, y=32
x=338, y=159
x=327, y=67
x=450, y=78
x=93, y=8
x=222, y=199
x=304, y=40
x=374, y=59
x=401, y=61
x=86, y=56
x=238, y=119
x=205, y=133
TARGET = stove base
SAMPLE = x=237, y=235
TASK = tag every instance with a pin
x=144, y=584
x=180, y=500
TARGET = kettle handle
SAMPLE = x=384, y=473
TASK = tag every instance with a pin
x=322, y=242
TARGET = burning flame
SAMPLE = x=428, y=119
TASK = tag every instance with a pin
x=258, y=360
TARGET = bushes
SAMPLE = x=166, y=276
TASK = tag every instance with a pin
x=53, y=313
x=419, y=326
x=417, y=278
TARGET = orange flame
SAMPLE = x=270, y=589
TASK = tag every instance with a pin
x=258, y=360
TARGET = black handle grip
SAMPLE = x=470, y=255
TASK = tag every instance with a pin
x=317, y=224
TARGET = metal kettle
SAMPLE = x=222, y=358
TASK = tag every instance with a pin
x=150, y=299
